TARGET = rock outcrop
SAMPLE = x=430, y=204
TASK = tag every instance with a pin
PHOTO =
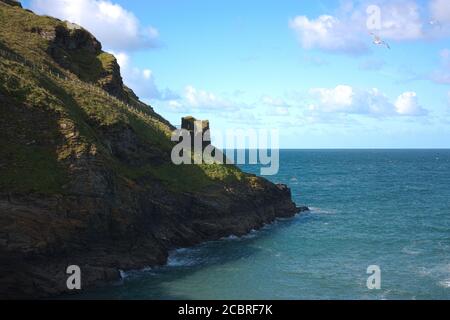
x=76, y=49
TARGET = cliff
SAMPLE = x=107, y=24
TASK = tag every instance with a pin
x=85, y=170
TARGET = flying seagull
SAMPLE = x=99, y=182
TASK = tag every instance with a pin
x=378, y=41
x=435, y=23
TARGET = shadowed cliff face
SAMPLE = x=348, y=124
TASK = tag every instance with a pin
x=85, y=181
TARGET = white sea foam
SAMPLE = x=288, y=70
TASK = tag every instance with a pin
x=182, y=257
x=231, y=237
x=293, y=180
x=445, y=283
x=130, y=273
x=123, y=274
x=234, y=237
x=424, y=271
x=322, y=211
x=384, y=295
x=178, y=262
x=253, y=233
x=411, y=250
x=437, y=273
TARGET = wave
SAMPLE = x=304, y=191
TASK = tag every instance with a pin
x=412, y=251
x=233, y=237
x=132, y=273
x=191, y=256
x=439, y=274
x=230, y=238
x=322, y=211
x=123, y=274
x=179, y=258
x=445, y=283
x=174, y=261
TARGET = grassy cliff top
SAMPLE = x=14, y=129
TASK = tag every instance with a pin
x=62, y=100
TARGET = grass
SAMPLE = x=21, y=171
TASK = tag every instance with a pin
x=54, y=103
x=188, y=178
x=31, y=169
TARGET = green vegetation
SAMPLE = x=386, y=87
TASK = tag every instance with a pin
x=185, y=178
x=34, y=169
x=47, y=120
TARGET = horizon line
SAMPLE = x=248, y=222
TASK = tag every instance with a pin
x=351, y=148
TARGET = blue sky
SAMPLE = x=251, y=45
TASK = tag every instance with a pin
x=308, y=68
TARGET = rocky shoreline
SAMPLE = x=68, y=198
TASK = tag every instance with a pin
x=32, y=269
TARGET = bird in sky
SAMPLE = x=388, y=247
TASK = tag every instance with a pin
x=435, y=23
x=378, y=41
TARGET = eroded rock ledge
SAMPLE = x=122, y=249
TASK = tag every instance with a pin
x=118, y=229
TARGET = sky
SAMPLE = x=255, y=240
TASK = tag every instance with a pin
x=320, y=72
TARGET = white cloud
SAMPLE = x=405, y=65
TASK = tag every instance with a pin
x=274, y=102
x=337, y=99
x=276, y=106
x=201, y=99
x=281, y=111
x=400, y=20
x=117, y=28
x=327, y=33
x=346, y=32
x=194, y=100
x=147, y=74
x=176, y=106
x=348, y=100
x=407, y=104
x=440, y=11
x=141, y=81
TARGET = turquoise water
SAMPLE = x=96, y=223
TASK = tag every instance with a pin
x=369, y=207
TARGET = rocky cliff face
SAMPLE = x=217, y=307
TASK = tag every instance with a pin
x=86, y=180
x=75, y=49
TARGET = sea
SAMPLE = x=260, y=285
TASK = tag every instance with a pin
x=384, y=208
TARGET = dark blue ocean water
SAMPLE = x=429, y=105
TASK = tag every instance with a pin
x=369, y=207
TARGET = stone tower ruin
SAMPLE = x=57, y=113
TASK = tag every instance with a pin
x=198, y=129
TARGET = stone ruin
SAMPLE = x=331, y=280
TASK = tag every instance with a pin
x=197, y=128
